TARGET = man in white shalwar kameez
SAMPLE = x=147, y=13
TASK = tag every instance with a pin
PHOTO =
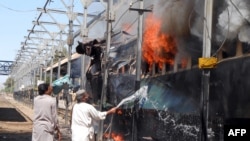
x=83, y=115
x=45, y=121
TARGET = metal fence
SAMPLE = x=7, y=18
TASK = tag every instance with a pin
x=25, y=96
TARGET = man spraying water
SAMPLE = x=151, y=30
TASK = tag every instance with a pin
x=140, y=94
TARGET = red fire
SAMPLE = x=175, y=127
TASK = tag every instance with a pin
x=119, y=112
x=157, y=47
x=114, y=136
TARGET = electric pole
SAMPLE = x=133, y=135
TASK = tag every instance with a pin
x=207, y=37
x=138, y=64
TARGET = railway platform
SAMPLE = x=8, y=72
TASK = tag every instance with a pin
x=16, y=120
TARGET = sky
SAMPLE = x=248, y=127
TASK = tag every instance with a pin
x=17, y=17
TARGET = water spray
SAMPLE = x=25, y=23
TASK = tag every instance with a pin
x=140, y=94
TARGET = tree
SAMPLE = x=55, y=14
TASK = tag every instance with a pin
x=9, y=85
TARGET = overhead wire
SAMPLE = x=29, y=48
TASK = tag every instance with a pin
x=221, y=46
x=223, y=42
x=130, y=25
x=131, y=3
x=237, y=9
x=11, y=9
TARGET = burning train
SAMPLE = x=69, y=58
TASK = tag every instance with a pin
x=171, y=46
x=172, y=43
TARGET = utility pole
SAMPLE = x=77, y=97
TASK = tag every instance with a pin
x=139, y=46
x=59, y=66
x=84, y=33
x=45, y=71
x=110, y=19
x=138, y=70
x=207, y=37
x=34, y=77
x=138, y=64
x=70, y=42
x=41, y=72
x=60, y=54
x=51, y=65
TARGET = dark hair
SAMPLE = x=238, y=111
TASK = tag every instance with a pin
x=42, y=88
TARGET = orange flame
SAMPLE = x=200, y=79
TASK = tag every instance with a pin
x=114, y=136
x=119, y=112
x=157, y=47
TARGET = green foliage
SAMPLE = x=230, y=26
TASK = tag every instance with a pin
x=9, y=85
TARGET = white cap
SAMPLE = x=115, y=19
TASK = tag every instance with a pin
x=81, y=91
x=79, y=94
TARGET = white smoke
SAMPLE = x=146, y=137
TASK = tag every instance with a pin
x=233, y=18
x=184, y=19
x=244, y=34
x=196, y=27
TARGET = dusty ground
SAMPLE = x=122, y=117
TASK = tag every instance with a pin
x=19, y=127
